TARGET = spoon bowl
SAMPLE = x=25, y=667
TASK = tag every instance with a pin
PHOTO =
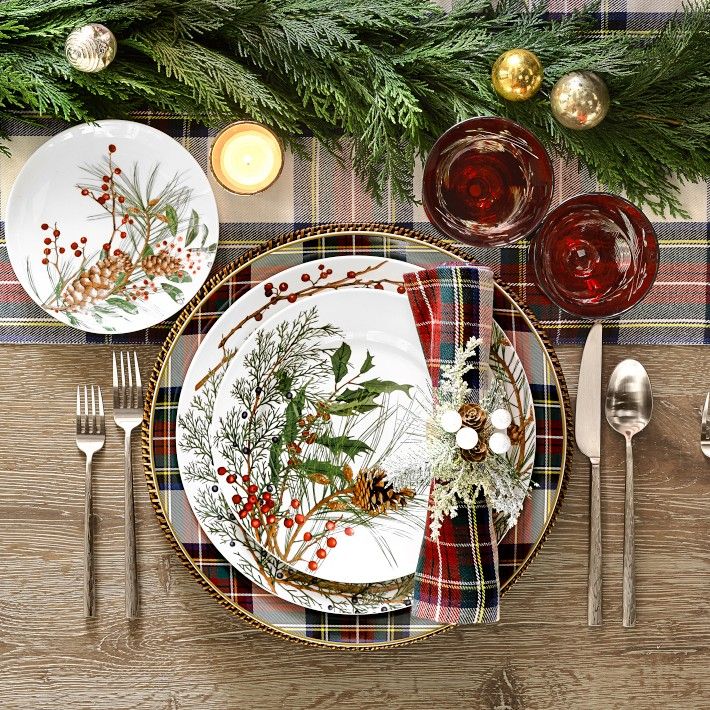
x=629, y=399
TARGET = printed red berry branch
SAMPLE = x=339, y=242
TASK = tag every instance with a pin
x=148, y=249
x=283, y=292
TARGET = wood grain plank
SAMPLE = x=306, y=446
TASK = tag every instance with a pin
x=186, y=652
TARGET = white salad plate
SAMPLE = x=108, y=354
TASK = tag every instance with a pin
x=111, y=227
x=327, y=394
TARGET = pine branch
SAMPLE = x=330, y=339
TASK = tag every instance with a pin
x=389, y=75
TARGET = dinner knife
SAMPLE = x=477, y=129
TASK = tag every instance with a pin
x=588, y=435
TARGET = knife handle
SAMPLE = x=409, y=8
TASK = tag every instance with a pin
x=594, y=592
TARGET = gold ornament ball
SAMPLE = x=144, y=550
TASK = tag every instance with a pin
x=517, y=75
x=90, y=48
x=580, y=100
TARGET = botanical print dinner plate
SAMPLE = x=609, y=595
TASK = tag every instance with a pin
x=111, y=227
x=198, y=393
x=314, y=410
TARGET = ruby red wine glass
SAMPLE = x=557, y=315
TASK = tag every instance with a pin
x=595, y=255
x=487, y=182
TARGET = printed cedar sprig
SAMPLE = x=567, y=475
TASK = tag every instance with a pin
x=289, y=445
x=150, y=247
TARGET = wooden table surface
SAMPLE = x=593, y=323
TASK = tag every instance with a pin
x=187, y=652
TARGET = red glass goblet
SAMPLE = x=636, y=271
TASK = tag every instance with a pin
x=487, y=182
x=595, y=255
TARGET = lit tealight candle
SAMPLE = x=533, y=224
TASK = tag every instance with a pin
x=246, y=157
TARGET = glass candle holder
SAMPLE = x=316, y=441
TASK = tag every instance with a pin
x=595, y=256
x=487, y=182
x=246, y=157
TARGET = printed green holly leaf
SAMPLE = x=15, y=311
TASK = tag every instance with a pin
x=339, y=360
x=343, y=445
x=173, y=291
x=180, y=277
x=171, y=216
x=385, y=386
x=193, y=227
x=367, y=365
x=359, y=396
x=323, y=467
x=123, y=304
x=293, y=414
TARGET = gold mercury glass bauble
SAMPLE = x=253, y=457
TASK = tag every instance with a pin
x=580, y=100
x=90, y=48
x=517, y=75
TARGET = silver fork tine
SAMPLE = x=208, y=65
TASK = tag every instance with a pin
x=138, y=372
x=130, y=394
x=78, y=410
x=115, y=382
x=704, y=433
x=102, y=421
x=94, y=422
x=85, y=423
x=124, y=398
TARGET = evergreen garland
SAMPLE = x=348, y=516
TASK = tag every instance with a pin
x=390, y=75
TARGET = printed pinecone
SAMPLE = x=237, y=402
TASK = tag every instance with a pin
x=477, y=453
x=97, y=282
x=473, y=415
x=161, y=264
x=374, y=494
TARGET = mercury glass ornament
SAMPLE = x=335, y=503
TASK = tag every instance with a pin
x=90, y=48
x=580, y=100
x=517, y=75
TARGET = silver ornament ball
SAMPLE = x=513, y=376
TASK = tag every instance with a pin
x=580, y=100
x=90, y=48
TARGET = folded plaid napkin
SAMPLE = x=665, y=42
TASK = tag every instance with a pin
x=456, y=581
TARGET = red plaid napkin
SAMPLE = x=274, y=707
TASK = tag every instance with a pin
x=456, y=581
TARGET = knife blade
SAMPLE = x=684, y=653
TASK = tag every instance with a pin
x=588, y=416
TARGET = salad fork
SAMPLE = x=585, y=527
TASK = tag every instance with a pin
x=705, y=428
x=128, y=414
x=90, y=438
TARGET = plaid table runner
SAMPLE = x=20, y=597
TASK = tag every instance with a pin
x=456, y=581
x=315, y=189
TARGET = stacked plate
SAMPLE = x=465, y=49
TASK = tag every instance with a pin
x=303, y=397
x=289, y=410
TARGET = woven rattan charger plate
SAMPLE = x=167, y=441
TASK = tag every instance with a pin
x=225, y=583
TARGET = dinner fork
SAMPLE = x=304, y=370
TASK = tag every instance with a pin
x=90, y=438
x=128, y=414
x=705, y=428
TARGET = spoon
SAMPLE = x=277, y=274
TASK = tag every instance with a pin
x=629, y=403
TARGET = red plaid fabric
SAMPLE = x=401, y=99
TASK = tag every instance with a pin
x=456, y=581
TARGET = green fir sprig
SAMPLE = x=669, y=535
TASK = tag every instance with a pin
x=387, y=75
